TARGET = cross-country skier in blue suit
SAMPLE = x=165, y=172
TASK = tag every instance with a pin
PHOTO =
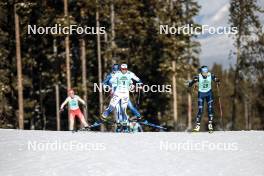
x=133, y=109
x=204, y=80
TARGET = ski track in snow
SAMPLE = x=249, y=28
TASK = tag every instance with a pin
x=131, y=154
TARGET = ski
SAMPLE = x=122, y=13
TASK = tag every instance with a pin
x=145, y=122
x=201, y=131
x=96, y=124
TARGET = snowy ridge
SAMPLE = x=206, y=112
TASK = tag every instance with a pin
x=111, y=154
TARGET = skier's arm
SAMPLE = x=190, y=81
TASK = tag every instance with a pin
x=215, y=79
x=81, y=100
x=64, y=103
x=136, y=79
x=193, y=81
x=106, y=81
x=113, y=79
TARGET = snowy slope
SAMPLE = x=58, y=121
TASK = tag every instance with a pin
x=110, y=154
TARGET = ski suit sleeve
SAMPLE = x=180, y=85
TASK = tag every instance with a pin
x=193, y=81
x=215, y=79
x=134, y=77
x=113, y=79
x=107, y=80
x=81, y=100
x=64, y=103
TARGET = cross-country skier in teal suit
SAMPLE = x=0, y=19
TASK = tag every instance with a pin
x=115, y=68
x=204, y=80
x=122, y=79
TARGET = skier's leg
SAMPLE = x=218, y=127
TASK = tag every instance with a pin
x=118, y=111
x=209, y=100
x=199, y=113
x=71, y=120
x=210, y=104
x=200, y=109
x=118, y=117
x=133, y=110
x=82, y=119
x=140, y=129
x=114, y=100
x=124, y=103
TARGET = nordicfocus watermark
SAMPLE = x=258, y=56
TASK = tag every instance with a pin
x=135, y=88
x=58, y=29
x=190, y=29
x=58, y=145
x=198, y=146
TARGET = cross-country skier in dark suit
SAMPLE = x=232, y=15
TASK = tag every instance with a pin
x=204, y=80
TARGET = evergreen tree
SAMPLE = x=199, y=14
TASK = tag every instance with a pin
x=243, y=16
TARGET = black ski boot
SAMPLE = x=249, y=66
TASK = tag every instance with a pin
x=210, y=127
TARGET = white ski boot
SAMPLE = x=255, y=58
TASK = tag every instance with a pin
x=197, y=128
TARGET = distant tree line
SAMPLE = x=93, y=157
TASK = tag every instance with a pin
x=32, y=66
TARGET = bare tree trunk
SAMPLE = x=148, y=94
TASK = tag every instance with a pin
x=112, y=7
x=250, y=114
x=32, y=123
x=246, y=113
x=251, y=119
x=55, y=49
x=106, y=57
x=67, y=52
x=19, y=73
x=99, y=60
x=235, y=101
x=189, y=107
x=42, y=114
x=67, y=47
x=174, y=86
x=44, y=118
x=84, y=77
x=57, y=106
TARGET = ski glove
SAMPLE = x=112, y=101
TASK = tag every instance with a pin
x=187, y=83
x=217, y=80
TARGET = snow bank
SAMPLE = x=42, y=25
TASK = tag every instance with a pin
x=109, y=154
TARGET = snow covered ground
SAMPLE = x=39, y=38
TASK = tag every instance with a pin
x=148, y=154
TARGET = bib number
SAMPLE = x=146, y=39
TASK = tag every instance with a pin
x=205, y=86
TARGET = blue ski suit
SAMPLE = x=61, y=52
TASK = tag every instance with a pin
x=130, y=105
x=204, y=94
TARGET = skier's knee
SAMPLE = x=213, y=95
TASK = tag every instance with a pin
x=108, y=110
x=210, y=117
x=200, y=110
x=210, y=108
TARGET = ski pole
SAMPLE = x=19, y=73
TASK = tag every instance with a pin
x=138, y=98
x=133, y=98
x=109, y=96
x=220, y=106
